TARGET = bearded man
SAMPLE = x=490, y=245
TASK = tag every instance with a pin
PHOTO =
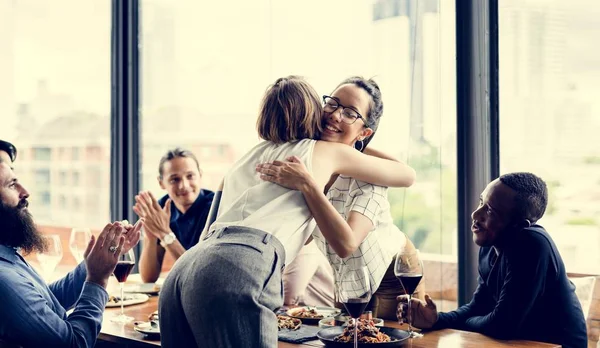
x=33, y=312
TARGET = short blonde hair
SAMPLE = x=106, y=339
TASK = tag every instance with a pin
x=290, y=111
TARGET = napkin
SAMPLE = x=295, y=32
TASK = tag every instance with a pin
x=303, y=334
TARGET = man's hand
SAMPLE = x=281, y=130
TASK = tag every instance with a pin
x=156, y=219
x=424, y=314
x=102, y=253
x=132, y=234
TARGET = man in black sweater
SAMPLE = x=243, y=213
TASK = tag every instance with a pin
x=523, y=290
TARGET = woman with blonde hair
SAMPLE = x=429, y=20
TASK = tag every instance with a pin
x=223, y=292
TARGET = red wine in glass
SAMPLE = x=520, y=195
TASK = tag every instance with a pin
x=355, y=306
x=122, y=270
x=408, y=268
x=410, y=282
x=353, y=289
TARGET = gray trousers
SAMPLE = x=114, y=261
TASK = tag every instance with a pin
x=223, y=292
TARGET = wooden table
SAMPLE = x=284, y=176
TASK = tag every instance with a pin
x=120, y=335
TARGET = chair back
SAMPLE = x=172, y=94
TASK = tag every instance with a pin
x=584, y=289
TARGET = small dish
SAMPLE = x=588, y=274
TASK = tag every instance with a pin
x=148, y=328
x=336, y=321
x=130, y=299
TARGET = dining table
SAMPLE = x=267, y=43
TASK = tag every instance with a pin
x=123, y=335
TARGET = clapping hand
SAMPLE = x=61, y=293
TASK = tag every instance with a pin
x=132, y=234
x=156, y=219
x=102, y=253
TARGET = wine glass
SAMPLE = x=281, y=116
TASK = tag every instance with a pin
x=78, y=242
x=353, y=289
x=121, y=272
x=408, y=268
x=51, y=257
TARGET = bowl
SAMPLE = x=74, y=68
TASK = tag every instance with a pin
x=342, y=320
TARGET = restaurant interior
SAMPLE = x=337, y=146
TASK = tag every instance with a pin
x=94, y=93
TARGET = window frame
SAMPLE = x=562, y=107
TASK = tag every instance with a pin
x=124, y=116
x=478, y=156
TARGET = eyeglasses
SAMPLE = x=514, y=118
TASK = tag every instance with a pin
x=349, y=115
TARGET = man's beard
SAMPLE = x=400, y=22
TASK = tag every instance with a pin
x=18, y=230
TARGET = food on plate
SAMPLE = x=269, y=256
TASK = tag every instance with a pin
x=117, y=299
x=153, y=316
x=304, y=312
x=285, y=322
x=367, y=333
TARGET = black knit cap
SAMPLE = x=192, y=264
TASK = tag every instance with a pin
x=9, y=148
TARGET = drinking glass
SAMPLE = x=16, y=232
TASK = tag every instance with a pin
x=50, y=258
x=78, y=242
x=353, y=289
x=408, y=268
x=121, y=272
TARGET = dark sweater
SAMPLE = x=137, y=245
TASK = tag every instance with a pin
x=523, y=293
x=188, y=227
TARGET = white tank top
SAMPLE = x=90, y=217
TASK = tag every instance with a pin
x=251, y=202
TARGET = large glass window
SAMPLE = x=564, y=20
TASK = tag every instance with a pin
x=205, y=67
x=550, y=115
x=55, y=105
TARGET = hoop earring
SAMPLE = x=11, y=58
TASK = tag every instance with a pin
x=361, y=143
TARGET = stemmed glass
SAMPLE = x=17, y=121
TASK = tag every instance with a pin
x=78, y=242
x=408, y=268
x=353, y=289
x=50, y=258
x=121, y=272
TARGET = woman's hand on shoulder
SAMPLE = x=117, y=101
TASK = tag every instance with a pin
x=291, y=173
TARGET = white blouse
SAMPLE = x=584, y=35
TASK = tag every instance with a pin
x=249, y=201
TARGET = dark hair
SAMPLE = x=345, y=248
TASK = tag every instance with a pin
x=290, y=110
x=9, y=148
x=532, y=194
x=176, y=153
x=375, y=106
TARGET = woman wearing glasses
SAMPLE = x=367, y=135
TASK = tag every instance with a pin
x=223, y=291
x=351, y=116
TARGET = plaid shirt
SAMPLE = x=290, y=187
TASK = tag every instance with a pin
x=381, y=244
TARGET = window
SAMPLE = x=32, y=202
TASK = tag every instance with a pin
x=54, y=106
x=408, y=46
x=42, y=177
x=75, y=179
x=77, y=204
x=62, y=202
x=42, y=153
x=45, y=198
x=62, y=181
x=93, y=153
x=550, y=115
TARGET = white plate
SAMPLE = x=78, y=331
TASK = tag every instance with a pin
x=144, y=288
x=130, y=299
